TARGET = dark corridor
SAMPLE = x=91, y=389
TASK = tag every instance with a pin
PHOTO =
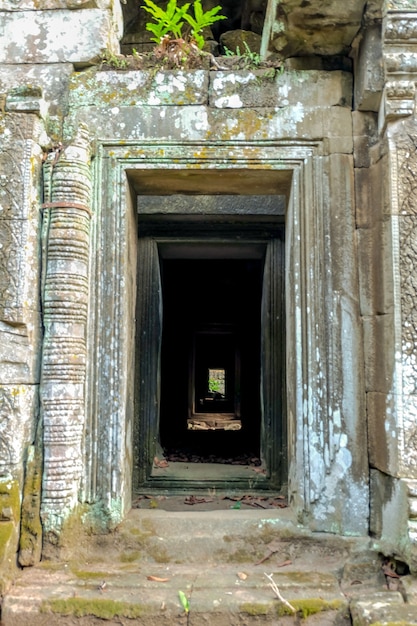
x=210, y=358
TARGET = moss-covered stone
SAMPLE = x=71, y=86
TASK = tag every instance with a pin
x=85, y=574
x=100, y=607
x=30, y=545
x=130, y=556
x=310, y=606
x=6, y=533
x=255, y=608
x=9, y=530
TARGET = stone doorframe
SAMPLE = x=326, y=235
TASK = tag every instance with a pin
x=328, y=471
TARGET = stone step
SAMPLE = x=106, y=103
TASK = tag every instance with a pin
x=219, y=560
x=216, y=595
x=220, y=536
x=220, y=595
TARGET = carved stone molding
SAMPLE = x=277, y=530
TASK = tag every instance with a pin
x=406, y=152
x=7, y=410
x=412, y=510
x=65, y=294
x=401, y=5
x=403, y=62
x=400, y=60
x=402, y=27
x=19, y=159
x=404, y=228
x=399, y=99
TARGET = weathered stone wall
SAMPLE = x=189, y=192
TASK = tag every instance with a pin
x=67, y=251
x=20, y=322
x=384, y=129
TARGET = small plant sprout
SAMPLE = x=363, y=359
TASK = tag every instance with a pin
x=249, y=58
x=184, y=602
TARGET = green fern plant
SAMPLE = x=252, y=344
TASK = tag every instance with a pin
x=170, y=23
x=202, y=20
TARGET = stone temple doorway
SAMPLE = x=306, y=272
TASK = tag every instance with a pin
x=232, y=195
x=211, y=352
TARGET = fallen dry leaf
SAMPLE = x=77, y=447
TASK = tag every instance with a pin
x=156, y=579
x=194, y=500
x=160, y=463
x=242, y=575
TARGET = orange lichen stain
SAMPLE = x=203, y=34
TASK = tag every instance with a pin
x=201, y=154
x=34, y=161
x=248, y=124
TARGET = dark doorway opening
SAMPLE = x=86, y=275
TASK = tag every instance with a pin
x=210, y=359
x=210, y=369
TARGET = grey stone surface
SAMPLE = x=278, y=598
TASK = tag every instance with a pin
x=375, y=277
x=135, y=88
x=369, y=70
x=365, y=135
x=382, y=432
x=372, y=194
x=198, y=123
x=383, y=609
x=379, y=343
x=296, y=28
x=260, y=88
x=52, y=79
x=56, y=36
x=212, y=205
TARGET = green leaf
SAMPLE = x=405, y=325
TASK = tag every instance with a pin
x=198, y=10
x=184, y=601
x=199, y=39
x=154, y=10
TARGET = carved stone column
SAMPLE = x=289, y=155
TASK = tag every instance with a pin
x=65, y=299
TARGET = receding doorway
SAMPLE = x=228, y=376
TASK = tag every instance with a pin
x=210, y=391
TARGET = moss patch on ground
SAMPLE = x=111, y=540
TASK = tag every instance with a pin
x=255, y=608
x=304, y=607
x=310, y=606
x=101, y=608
